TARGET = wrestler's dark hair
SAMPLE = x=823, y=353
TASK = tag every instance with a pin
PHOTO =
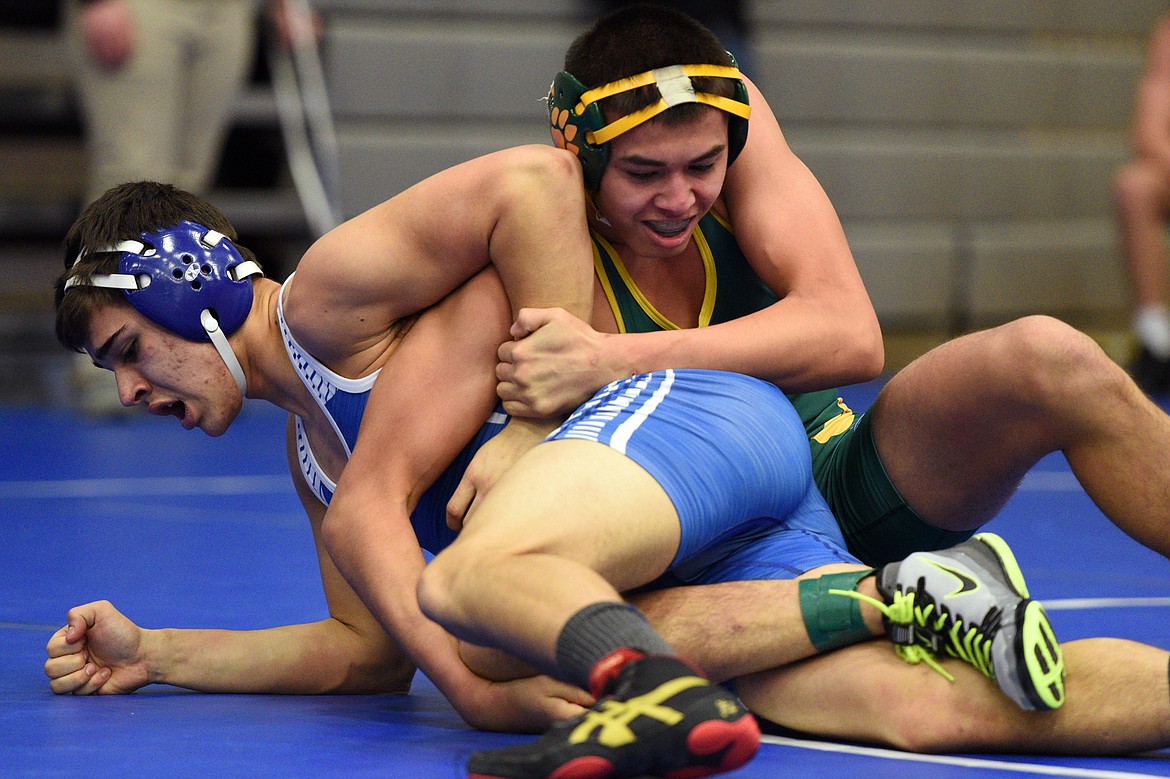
x=642, y=37
x=121, y=213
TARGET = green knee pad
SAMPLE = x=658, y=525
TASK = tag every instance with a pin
x=833, y=621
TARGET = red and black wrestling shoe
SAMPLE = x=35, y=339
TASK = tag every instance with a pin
x=654, y=715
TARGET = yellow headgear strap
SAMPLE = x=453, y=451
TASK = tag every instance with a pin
x=674, y=84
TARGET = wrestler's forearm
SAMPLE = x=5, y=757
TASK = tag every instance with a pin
x=315, y=658
x=797, y=346
x=540, y=243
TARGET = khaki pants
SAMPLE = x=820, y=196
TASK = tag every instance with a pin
x=164, y=114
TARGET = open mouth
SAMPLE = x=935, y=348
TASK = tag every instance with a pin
x=671, y=229
x=175, y=408
x=185, y=419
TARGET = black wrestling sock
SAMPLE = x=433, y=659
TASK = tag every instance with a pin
x=598, y=630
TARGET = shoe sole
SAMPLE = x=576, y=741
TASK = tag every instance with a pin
x=737, y=742
x=1036, y=648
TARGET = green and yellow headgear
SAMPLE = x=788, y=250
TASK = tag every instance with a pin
x=578, y=124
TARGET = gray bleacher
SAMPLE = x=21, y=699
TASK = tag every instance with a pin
x=968, y=145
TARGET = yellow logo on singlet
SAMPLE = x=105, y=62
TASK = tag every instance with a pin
x=837, y=425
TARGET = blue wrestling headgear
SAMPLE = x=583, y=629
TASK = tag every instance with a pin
x=188, y=278
x=578, y=124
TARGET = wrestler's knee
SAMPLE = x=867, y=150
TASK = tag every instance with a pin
x=913, y=709
x=1047, y=363
x=939, y=717
x=448, y=582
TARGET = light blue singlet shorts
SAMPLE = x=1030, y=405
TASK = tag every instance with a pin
x=733, y=457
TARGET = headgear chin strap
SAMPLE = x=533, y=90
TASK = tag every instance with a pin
x=190, y=279
x=578, y=124
x=220, y=342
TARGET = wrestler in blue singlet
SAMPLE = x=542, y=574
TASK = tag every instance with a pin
x=711, y=439
x=343, y=401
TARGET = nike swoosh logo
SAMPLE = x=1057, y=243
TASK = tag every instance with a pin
x=966, y=583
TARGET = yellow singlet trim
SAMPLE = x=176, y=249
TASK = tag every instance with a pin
x=710, y=286
x=722, y=221
x=606, y=286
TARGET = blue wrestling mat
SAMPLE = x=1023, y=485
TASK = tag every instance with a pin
x=180, y=530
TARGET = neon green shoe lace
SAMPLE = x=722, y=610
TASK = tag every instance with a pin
x=917, y=638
